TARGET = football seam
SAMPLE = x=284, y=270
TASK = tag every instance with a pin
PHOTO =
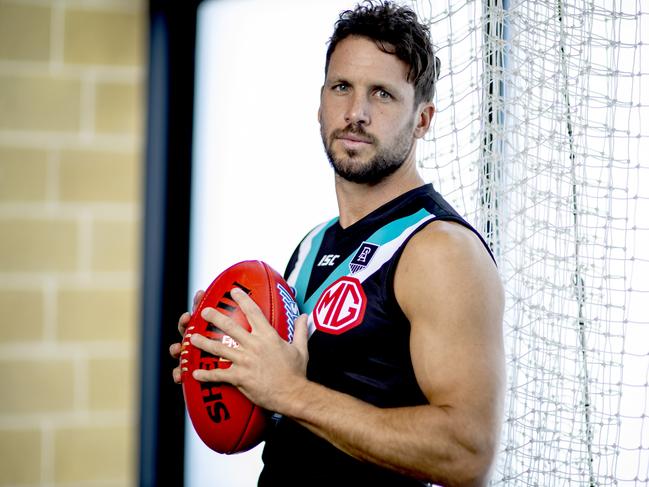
x=254, y=407
x=248, y=423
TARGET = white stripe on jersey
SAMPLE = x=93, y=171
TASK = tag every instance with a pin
x=305, y=247
x=387, y=250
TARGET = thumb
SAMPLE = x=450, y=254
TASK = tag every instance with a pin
x=301, y=333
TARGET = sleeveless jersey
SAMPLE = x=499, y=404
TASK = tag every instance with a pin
x=359, y=336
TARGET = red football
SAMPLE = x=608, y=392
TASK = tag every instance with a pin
x=222, y=416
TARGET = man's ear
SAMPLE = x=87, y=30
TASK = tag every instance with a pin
x=320, y=106
x=424, y=117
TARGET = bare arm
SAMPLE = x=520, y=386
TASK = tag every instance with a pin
x=448, y=288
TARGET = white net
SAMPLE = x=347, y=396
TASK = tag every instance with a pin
x=539, y=141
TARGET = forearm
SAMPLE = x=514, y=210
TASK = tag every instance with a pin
x=426, y=442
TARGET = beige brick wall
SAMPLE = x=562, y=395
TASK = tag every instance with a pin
x=71, y=147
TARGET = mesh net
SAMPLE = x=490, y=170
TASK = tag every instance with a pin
x=539, y=140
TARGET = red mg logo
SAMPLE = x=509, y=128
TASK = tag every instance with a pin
x=341, y=306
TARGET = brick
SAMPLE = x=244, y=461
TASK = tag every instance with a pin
x=33, y=386
x=23, y=174
x=93, y=454
x=99, y=176
x=119, y=108
x=96, y=314
x=104, y=37
x=21, y=315
x=115, y=245
x=38, y=245
x=24, y=32
x=111, y=384
x=46, y=103
x=20, y=457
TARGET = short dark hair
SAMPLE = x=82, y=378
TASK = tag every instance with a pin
x=395, y=30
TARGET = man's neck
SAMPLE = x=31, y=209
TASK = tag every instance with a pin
x=356, y=201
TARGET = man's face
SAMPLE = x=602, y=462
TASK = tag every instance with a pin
x=367, y=114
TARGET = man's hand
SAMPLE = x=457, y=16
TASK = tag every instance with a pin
x=265, y=368
x=174, y=349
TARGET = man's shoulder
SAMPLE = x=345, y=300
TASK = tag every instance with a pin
x=445, y=240
x=443, y=256
x=446, y=269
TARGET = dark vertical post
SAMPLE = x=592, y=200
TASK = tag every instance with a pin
x=165, y=240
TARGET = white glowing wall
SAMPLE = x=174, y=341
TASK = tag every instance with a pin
x=261, y=179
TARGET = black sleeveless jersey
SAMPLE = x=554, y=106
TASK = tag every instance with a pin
x=359, y=337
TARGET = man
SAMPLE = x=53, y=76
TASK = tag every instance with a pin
x=396, y=376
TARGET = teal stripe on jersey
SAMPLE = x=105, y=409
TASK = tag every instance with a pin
x=303, y=274
x=382, y=236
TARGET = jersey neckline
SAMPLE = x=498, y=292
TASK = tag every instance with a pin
x=384, y=209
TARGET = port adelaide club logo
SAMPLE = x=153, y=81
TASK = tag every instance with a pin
x=341, y=306
x=363, y=256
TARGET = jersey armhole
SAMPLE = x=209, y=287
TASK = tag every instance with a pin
x=389, y=282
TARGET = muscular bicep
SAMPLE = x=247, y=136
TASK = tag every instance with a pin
x=450, y=291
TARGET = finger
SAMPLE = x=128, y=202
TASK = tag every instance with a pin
x=183, y=321
x=301, y=336
x=177, y=375
x=174, y=350
x=215, y=347
x=254, y=314
x=215, y=375
x=226, y=325
x=197, y=299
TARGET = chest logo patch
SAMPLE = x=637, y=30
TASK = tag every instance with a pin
x=341, y=306
x=363, y=256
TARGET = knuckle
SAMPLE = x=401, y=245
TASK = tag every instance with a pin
x=212, y=375
x=210, y=314
x=245, y=361
x=201, y=341
x=214, y=347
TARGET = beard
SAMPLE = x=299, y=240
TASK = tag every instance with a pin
x=384, y=163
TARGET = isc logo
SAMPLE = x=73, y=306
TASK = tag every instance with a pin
x=341, y=306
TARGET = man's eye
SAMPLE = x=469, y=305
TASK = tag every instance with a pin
x=383, y=95
x=340, y=87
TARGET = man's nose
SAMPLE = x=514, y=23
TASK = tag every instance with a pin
x=358, y=110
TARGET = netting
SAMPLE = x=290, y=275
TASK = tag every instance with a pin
x=539, y=140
